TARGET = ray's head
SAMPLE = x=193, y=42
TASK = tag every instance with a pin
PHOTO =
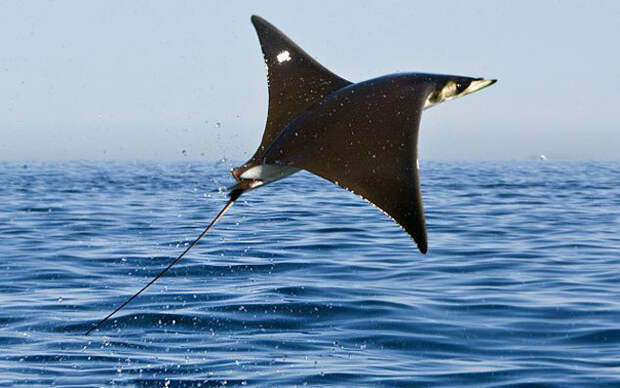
x=450, y=87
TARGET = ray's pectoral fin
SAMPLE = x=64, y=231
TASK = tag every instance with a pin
x=364, y=138
x=296, y=81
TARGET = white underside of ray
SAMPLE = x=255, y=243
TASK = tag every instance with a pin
x=266, y=173
x=449, y=92
x=476, y=85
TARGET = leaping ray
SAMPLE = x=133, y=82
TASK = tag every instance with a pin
x=362, y=136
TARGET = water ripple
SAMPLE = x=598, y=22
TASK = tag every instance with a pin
x=305, y=284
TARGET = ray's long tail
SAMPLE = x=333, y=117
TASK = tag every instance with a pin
x=234, y=195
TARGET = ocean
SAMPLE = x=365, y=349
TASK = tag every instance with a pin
x=304, y=284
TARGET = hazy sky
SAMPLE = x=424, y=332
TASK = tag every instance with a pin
x=149, y=79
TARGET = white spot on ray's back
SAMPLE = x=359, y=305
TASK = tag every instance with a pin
x=283, y=56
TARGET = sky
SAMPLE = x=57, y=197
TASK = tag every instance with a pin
x=175, y=80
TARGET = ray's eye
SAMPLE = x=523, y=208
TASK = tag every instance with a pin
x=460, y=87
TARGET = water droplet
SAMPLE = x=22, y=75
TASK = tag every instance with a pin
x=218, y=124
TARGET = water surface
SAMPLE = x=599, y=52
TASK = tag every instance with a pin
x=304, y=284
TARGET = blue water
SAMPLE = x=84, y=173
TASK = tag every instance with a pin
x=304, y=284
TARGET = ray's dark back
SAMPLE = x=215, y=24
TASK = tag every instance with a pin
x=364, y=138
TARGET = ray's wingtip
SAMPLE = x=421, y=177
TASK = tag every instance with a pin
x=423, y=248
x=421, y=243
x=255, y=19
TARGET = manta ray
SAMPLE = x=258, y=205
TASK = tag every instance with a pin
x=361, y=136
